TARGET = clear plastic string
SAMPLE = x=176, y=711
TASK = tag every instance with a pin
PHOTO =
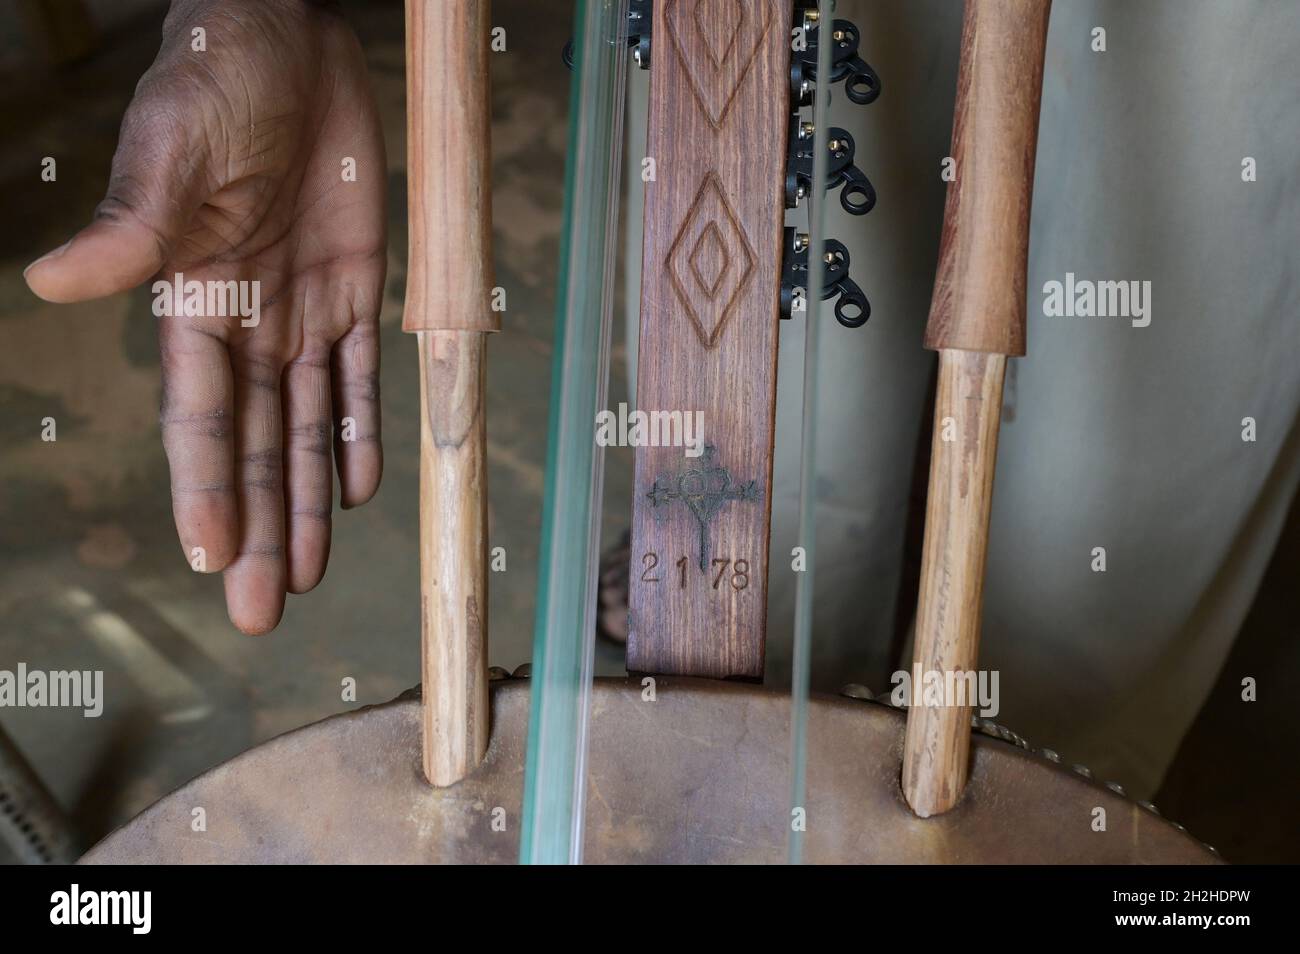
x=800, y=677
x=565, y=630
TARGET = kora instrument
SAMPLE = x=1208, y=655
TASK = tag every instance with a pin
x=689, y=759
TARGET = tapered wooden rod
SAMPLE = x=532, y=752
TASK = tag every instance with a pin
x=967, y=406
x=453, y=546
x=448, y=304
x=977, y=319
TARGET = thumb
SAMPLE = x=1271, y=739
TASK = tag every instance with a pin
x=158, y=181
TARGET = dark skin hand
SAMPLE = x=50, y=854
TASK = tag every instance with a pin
x=230, y=166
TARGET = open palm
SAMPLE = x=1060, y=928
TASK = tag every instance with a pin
x=257, y=158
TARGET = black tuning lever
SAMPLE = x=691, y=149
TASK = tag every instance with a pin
x=861, y=83
x=851, y=308
x=858, y=197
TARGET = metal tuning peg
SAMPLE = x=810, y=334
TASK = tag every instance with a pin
x=851, y=307
x=861, y=83
x=858, y=196
x=640, y=25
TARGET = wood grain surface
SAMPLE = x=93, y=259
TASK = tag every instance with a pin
x=977, y=319
x=718, y=116
x=979, y=288
x=453, y=552
x=448, y=178
x=448, y=303
x=968, y=404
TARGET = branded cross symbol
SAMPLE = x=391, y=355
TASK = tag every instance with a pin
x=705, y=488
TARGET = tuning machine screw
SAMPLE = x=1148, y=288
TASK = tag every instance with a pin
x=851, y=307
x=858, y=196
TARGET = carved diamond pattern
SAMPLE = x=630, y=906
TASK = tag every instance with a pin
x=730, y=31
x=718, y=22
x=710, y=261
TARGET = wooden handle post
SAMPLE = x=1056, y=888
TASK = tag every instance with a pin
x=977, y=318
x=448, y=298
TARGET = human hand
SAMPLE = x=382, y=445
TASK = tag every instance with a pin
x=230, y=166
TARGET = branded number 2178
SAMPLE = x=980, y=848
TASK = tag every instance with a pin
x=722, y=570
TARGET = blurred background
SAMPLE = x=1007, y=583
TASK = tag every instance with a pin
x=91, y=576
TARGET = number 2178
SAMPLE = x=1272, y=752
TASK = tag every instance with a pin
x=734, y=572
